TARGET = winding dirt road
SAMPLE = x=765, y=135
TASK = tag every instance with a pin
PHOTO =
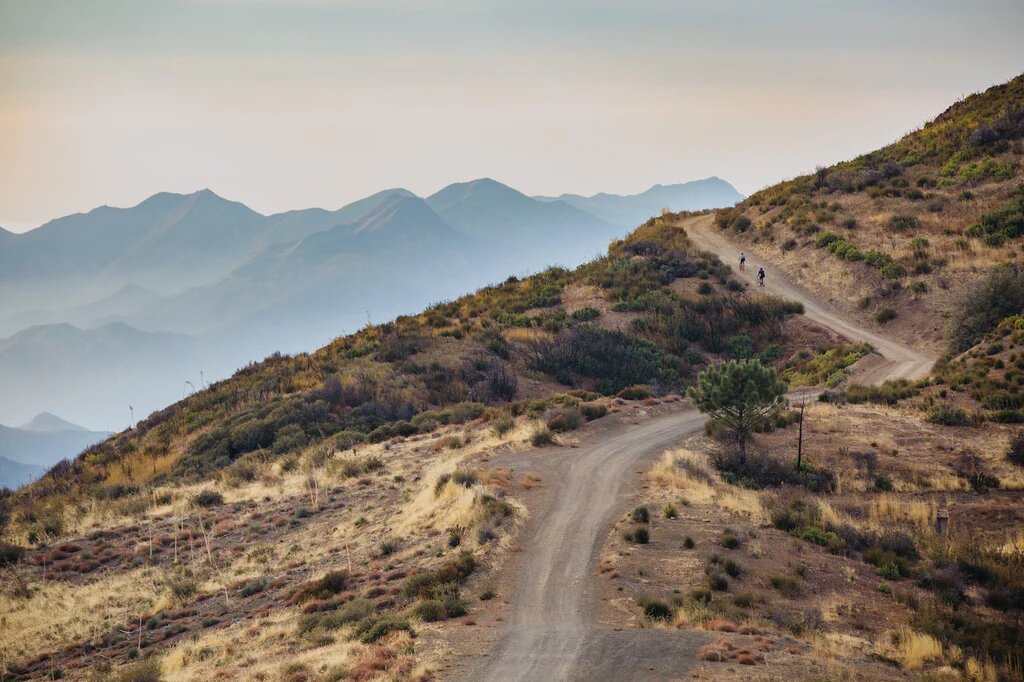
x=553, y=634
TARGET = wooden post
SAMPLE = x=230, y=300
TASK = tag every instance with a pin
x=800, y=437
x=941, y=521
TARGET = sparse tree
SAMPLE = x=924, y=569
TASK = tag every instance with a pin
x=741, y=395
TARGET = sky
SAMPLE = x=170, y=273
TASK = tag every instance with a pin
x=284, y=104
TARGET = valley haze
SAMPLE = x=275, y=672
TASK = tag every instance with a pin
x=126, y=306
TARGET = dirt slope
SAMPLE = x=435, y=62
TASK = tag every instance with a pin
x=553, y=634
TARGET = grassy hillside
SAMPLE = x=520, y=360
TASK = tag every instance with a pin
x=339, y=500
x=892, y=234
x=652, y=312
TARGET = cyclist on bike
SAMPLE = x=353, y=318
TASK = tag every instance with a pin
x=760, y=277
x=743, y=260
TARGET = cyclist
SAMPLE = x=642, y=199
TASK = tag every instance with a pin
x=743, y=260
x=760, y=277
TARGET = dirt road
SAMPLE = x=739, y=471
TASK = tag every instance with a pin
x=901, y=360
x=552, y=634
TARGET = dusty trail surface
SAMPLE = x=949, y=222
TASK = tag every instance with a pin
x=552, y=634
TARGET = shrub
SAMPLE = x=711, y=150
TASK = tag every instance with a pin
x=641, y=515
x=145, y=671
x=208, y=498
x=729, y=539
x=10, y=554
x=885, y=315
x=639, y=536
x=786, y=585
x=326, y=587
x=542, y=437
x=982, y=306
x=586, y=314
x=655, y=609
x=902, y=223
x=1014, y=455
x=565, y=419
x=670, y=511
x=744, y=600
x=371, y=629
x=593, y=411
x=502, y=425
x=688, y=542
x=947, y=415
x=717, y=581
x=636, y=392
x=887, y=393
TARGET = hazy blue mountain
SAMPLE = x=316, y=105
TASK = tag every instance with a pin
x=93, y=375
x=128, y=299
x=397, y=258
x=122, y=306
x=14, y=474
x=27, y=451
x=292, y=226
x=487, y=209
x=46, y=421
x=164, y=243
x=632, y=209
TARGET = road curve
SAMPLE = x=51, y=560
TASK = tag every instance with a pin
x=552, y=634
x=901, y=361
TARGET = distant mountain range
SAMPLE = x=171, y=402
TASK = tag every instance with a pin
x=126, y=306
x=27, y=451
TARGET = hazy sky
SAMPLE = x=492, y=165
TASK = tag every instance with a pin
x=287, y=104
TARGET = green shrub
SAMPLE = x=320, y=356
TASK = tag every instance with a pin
x=744, y=600
x=593, y=411
x=208, y=498
x=586, y=314
x=885, y=315
x=655, y=609
x=947, y=415
x=888, y=393
x=334, y=582
x=638, y=535
x=542, y=437
x=10, y=554
x=786, y=585
x=670, y=511
x=641, y=515
x=636, y=392
x=729, y=539
x=688, y=542
x=1014, y=455
x=371, y=629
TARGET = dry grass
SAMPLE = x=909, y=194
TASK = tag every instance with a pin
x=890, y=508
x=913, y=649
x=59, y=613
x=251, y=650
x=689, y=472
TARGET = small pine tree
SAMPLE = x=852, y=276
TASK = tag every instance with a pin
x=740, y=394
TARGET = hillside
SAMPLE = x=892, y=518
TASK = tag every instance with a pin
x=893, y=236
x=364, y=437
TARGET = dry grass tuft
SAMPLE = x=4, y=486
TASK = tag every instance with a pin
x=885, y=509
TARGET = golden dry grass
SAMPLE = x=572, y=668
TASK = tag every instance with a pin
x=689, y=473
x=914, y=649
x=890, y=508
x=252, y=650
x=59, y=612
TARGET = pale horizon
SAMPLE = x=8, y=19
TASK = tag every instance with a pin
x=107, y=103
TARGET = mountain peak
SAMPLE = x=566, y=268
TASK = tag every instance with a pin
x=47, y=421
